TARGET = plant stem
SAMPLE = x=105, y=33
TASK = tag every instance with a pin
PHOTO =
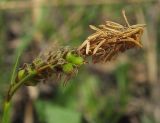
x=14, y=88
x=5, y=118
x=11, y=92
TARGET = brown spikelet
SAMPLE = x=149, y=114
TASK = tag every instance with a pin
x=110, y=39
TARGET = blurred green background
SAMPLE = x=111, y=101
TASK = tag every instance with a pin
x=126, y=90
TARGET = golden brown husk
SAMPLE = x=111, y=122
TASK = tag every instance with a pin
x=110, y=39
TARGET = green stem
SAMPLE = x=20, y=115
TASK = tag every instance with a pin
x=11, y=92
x=5, y=118
x=13, y=88
x=17, y=85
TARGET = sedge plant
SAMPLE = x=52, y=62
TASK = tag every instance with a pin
x=103, y=45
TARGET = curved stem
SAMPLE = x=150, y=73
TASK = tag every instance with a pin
x=14, y=88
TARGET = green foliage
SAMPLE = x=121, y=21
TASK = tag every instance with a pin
x=147, y=119
x=122, y=83
x=15, y=67
x=55, y=114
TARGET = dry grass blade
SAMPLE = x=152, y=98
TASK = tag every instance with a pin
x=111, y=39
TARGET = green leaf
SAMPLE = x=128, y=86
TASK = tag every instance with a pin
x=15, y=68
x=60, y=115
x=57, y=114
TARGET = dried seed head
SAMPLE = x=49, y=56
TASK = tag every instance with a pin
x=110, y=39
x=107, y=41
x=103, y=45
